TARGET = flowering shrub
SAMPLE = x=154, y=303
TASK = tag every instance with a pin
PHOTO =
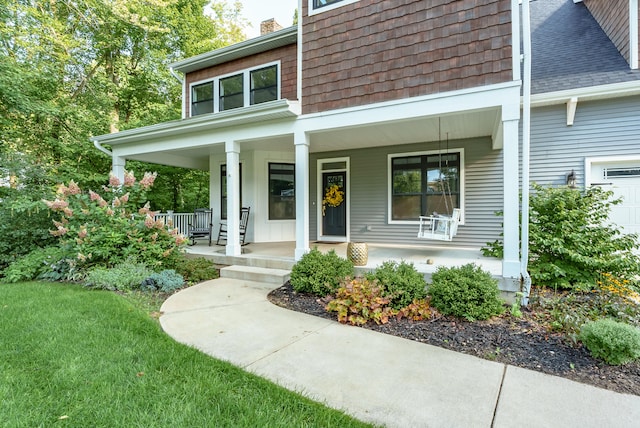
x=108, y=229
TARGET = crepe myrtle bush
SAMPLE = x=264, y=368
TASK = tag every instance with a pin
x=113, y=227
x=320, y=273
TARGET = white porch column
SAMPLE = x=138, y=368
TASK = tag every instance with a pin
x=233, y=198
x=117, y=167
x=511, y=203
x=301, y=142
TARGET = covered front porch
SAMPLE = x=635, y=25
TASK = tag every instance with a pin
x=280, y=255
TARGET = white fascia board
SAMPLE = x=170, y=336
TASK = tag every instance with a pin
x=249, y=47
x=614, y=90
x=248, y=115
x=478, y=98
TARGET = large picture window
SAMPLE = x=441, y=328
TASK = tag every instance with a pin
x=282, y=200
x=422, y=184
x=245, y=88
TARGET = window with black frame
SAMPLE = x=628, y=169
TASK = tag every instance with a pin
x=425, y=184
x=282, y=195
x=202, y=99
x=231, y=92
x=264, y=85
x=317, y=4
x=223, y=190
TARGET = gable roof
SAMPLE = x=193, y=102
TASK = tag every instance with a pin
x=570, y=50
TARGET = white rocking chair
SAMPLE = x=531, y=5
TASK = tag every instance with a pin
x=439, y=227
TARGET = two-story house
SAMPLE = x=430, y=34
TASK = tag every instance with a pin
x=408, y=108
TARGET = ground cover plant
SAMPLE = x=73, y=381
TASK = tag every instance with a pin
x=75, y=357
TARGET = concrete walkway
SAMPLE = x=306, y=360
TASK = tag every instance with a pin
x=378, y=378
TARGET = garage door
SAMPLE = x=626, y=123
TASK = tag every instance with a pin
x=623, y=178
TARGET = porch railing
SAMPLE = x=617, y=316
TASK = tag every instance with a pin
x=179, y=220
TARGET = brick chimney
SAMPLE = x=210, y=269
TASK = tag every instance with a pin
x=269, y=26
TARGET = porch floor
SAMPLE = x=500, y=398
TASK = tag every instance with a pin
x=425, y=258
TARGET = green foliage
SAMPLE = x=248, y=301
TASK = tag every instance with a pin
x=567, y=312
x=195, y=270
x=401, y=282
x=165, y=281
x=571, y=242
x=32, y=266
x=358, y=301
x=466, y=291
x=125, y=276
x=24, y=224
x=97, y=232
x=319, y=273
x=612, y=341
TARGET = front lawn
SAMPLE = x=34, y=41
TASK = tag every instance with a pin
x=76, y=357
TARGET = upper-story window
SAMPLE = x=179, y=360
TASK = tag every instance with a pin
x=245, y=88
x=316, y=6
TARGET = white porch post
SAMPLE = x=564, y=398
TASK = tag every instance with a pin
x=233, y=194
x=511, y=203
x=117, y=167
x=301, y=142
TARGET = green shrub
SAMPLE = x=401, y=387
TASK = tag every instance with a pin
x=612, y=341
x=571, y=242
x=466, y=291
x=360, y=300
x=37, y=264
x=165, y=281
x=195, y=270
x=319, y=273
x=125, y=276
x=402, y=283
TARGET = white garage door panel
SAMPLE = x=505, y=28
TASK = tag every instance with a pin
x=627, y=214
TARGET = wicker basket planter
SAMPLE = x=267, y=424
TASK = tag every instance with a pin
x=358, y=253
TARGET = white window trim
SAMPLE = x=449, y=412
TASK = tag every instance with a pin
x=391, y=156
x=588, y=163
x=313, y=11
x=246, y=84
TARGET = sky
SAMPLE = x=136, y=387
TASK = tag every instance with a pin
x=256, y=11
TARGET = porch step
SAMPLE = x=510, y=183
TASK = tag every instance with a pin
x=257, y=274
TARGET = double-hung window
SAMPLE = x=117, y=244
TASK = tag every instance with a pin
x=245, y=88
x=423, y=184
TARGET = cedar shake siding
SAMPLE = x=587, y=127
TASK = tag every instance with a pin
x=613, y=17
x=372, y=51
x=287, y=55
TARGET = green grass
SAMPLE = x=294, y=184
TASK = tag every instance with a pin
x=73, y=357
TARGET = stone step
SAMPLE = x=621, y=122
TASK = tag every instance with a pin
x=264, y=262
x=257, y=274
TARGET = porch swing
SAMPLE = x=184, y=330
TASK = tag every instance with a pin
x=441, y=227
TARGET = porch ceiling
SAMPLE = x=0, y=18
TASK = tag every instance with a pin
x=469, y=124
x=463, y=125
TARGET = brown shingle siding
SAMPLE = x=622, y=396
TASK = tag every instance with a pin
x=613, y=17
x=373, y=51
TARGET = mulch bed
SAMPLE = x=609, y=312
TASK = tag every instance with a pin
x=520, y=342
